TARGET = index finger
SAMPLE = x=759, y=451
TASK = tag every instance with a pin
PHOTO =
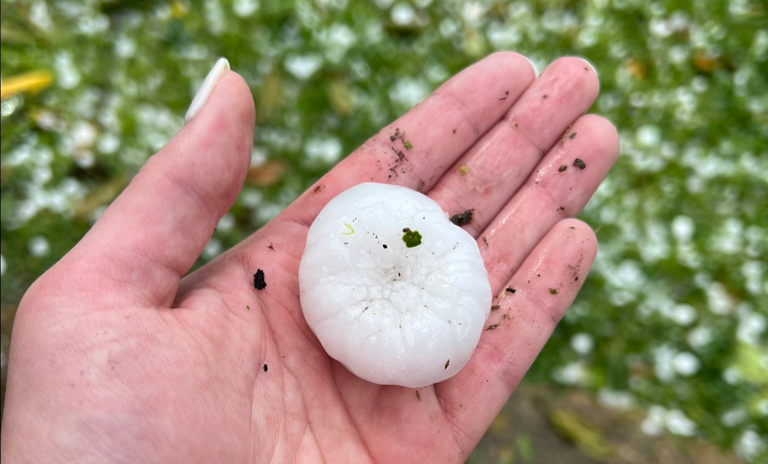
x=416, y=149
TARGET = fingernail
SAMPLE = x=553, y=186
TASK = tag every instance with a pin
x=205, y=90
x=533, y=65
x=590, y=65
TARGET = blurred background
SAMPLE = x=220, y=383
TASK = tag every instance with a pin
x=664, y=356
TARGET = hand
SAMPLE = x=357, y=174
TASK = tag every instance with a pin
x=115, y=357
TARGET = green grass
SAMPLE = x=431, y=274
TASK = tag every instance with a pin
x=683, y=215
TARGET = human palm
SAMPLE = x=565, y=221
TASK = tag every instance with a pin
x=118, y=358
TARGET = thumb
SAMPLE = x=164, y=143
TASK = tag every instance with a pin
x=156, y=229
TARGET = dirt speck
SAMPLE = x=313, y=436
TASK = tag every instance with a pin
x=266, y=368
x=447, y=363
x=464, y=218
x=511, y=290
x=454, y=132
x=544, y=96
x=553, y=291
x=317, y=189
x=418, y=396
x=464, y=170
x=572, y=136
x=486, y=241
x=492, y=327
x=579, y=163
x=258, y=280
x=495, y=307
x=271, y=247
x=562, y=168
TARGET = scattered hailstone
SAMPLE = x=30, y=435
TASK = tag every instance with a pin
x=303, y=66
x=733, y=417
x=615, y=399
x=39, y=16
x=683, y=228
x=244, y=8
x=653, y=425
x=391, y=288
x=324, y=149
x=686, y=363
x=226, y=223
x=582, y=343
x=408, y=91
x=682, y=314
x=750, y=445
x=679, y=424
x=212, y=249
x=108, y=143
x=38, y=246
x=68, y=76
x=663, y=363
x=402, y=14
x=648, y=136
x=572, y=374
x=125, y=47
x=699, y=337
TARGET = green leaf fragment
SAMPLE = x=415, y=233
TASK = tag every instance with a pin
x=412, y=238
x=351, y=230
x=407, y=144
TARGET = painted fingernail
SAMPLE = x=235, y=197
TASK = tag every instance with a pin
x=533, y=65
x=205, y=90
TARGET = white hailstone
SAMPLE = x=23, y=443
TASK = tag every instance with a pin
x=68, y=76
x=2, y=265
x=720, y=301
x=686, y=363
x=648, y=136
x=682, y=314
x=38, y=246
x=391, y=288
x=762, y=407
x=402, y=14
x=663, y=363
x=615, y=399
x=751, y=327
x=303, y=66
x=108, y=143
x=39, y=16
x=125, y=47
x=582, y=343
x=653, y=425
x=244, y=8
x=212, y=249
x=408, y=91
x=324, y=149
x=699, y=337
x=683, y=228
x=337, y=40
x=750, y=445
x=572, y=374
x=679, y=424
x=226, y=223
x=733, y=417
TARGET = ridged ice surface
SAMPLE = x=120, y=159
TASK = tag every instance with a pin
x=393, y=315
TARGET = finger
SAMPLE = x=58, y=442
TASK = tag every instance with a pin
x=549, y=195
x=415, y=150
x=156, y=229
x=544, y=288
x=485, y=178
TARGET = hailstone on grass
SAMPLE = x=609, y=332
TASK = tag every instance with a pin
x=391, y=288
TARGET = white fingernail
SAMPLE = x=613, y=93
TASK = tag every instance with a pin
x=590, y=65
x=533, y=65
x=205, y=90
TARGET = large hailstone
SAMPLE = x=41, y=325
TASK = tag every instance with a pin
x=391, y=288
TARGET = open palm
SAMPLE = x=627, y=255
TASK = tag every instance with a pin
x=118, y=358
